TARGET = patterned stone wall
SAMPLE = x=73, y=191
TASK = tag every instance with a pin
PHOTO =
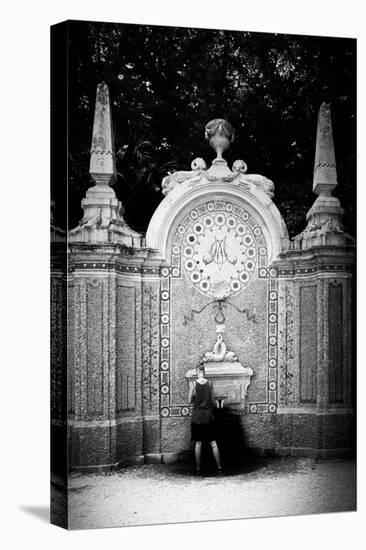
x=336, y=356
x=71, y=348
x=126, y=348
x=287, y=371
x=137, y=325
x=91, y=346
x=128, y=393
x=308, y=343
x=58, y=356
x=315, y=342
x=218, y=272
x=95, y=300
x=150, y=347
x=58, y=346
x=152, y=340
x=91, y=361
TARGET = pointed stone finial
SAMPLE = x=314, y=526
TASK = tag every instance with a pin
x=324, y=218
x=102, y=164
x=103, y=220
x=325, y=173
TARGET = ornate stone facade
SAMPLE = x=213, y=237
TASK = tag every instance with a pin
x=142, y=312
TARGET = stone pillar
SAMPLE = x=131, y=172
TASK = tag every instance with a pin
x=151, y=339
x=92, y=355
x=58, y=378
x=136, y=360
x=98, y=355
x=316, y=276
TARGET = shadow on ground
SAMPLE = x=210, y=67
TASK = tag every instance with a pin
x=232, y=467
x=40, y=512
x=236, y=456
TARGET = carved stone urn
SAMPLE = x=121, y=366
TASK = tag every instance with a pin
x=220, y=134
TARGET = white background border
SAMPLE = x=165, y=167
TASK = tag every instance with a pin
x=25, y=270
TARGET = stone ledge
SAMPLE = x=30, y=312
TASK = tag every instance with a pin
x=153, y=458
x=169, y=458
x=104, y=468
x=183, y=456
x=315, y=453
x=314, y=411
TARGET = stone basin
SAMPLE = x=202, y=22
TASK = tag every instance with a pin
x=230, y=381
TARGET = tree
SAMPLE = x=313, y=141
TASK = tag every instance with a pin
x=166, y=83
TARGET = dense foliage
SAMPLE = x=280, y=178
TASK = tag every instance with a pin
x=167, y=82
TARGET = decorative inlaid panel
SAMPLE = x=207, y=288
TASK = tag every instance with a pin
x=150, y=348
x=220, y=247
x=70, y=349
x=94, y=364
x=286, y=348
x=58, y=346
x=335, y=343
x=308, y=344
x=126, y=348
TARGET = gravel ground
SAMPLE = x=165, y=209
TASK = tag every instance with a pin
x=149, y=494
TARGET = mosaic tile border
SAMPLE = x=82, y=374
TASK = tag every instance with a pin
x=313, y=269
x=190, y=255
x=106, y=266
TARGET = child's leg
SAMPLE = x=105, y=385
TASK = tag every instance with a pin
x=216, y=453
x=197, y=454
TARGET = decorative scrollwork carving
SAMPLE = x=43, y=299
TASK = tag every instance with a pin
x=240, y=166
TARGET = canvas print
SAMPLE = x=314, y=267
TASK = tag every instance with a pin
x=203, y=249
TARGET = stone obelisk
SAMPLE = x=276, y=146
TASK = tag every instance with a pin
x=102, y=161
x=325, y=171
x=324, y=226
x=103, y=220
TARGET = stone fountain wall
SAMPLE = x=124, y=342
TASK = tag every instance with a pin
x=250, y=315
x=141, y=313
x=137, y=324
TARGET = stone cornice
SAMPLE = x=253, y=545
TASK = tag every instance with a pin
x=113, y=267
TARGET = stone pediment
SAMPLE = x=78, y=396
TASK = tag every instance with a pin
x=220, y=135
x=183, y=190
